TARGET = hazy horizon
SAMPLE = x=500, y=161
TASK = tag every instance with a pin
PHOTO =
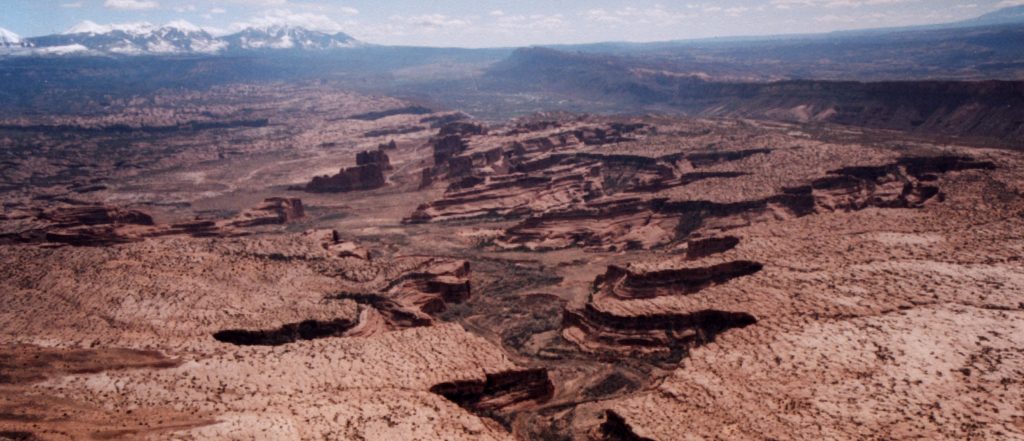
x=503, y=23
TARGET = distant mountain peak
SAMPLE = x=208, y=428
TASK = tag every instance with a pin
x=8, y=38
x=176, y=37
x=280, y=36
x=1010, y=15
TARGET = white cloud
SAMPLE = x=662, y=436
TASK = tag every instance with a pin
x=218, y=11
x=1010, y=3
x=656, y=15
x=73, y=5
x=260, y=3
x=287, y=17
x=530, y=22
x=432, y=21
x=788, y=4
x=134, y=5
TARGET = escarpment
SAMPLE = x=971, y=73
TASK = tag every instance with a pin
x=103, y=225
x=657, y=336
x=411, y=298
x=625, y=284
x=639, y=222
x=616, y=319
x=499, y=392
x=907, y=183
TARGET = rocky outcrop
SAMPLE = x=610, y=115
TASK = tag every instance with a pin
x=395, y=314
x=616, y=318
x=438, y=121
x=433, y=286
x=699, y=248
x=367, y=174
x=343, y=248
x=637, y=222
x=499, y=390
x=534, y=186
x=408, y=110
x=615, y=428
x=86, y=237
x=89, y=225
x=660, y=336
x=535, y=126
x=625, y=284
x=700, y=160
x=907, y=183
x=530, y=177
x=360, y=177
x=393, y=131
x=99, y=225
x=449, y=143
x=613, y=133
x=411, y=298
x=77, y=216
x=273, y=211
x=462, y=128
x=371, y=157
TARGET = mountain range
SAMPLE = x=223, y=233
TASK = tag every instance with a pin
x=181, y=37
x=178, y=37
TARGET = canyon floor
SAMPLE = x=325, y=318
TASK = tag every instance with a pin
x=297, y=262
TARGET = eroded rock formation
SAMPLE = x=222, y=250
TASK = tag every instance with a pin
x=409, y=299
x=640, y=222
x=615, y=428
x=907, y=183
x=378, y=156
x=625, y=284
x=662, y=336
x=498, y=391
x=357, y=178
x=101, y=225
x=618, y=319
x=77, y=216
x=273, y=211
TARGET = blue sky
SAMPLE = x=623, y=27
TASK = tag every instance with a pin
x=480, y=23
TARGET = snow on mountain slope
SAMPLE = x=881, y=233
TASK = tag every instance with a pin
x=179, y=37
x=135, y=38
x=9, y=39
x=288, y=37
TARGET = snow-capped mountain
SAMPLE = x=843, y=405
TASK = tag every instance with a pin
x=134, y=39
x=9, y=39
x=177, y=37
x=288, y=37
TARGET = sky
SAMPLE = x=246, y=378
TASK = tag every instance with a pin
x=497, y=23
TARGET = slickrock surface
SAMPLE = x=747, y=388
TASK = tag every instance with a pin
x=556, y=277
x=177, y=295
